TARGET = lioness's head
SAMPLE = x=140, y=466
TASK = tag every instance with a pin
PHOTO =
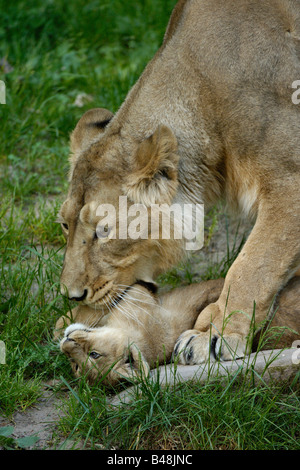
x=101, y=258
x=102, y=354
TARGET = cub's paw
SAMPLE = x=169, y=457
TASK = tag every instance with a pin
x=194, y=347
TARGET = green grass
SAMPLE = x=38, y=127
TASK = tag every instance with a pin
x=57, y=50
x=187, y=417
x=231, y=414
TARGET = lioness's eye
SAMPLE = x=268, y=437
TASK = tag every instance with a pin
x=94, y=355
x=102, y=231
x=65, y=226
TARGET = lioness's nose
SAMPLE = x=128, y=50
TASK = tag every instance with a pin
x=75, y=294
x=80, y=298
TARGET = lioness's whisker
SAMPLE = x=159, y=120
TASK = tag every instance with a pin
x=111, y=311
x=122, y=309
x=128, y=314
x=152, y=303
x=96, y=320
x=125, y=298
x=108, y=304
x=129, y=302
x=133, y=301
x=136, y=289
x=123, y=295
x=92, y=323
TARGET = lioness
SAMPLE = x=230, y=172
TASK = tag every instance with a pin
x=210, y=118
x=141, y=330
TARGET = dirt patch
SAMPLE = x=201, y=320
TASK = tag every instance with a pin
x=38, y=420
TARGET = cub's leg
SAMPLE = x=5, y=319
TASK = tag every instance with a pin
x=269, y=258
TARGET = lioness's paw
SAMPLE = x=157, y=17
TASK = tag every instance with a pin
x=194, y=347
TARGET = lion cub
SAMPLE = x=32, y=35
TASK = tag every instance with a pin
x=141, y=329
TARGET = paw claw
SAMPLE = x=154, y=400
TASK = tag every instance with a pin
x=194, y=347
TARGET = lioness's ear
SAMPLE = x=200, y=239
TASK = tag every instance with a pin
x=88, y=129
x=90, y=126
x=153, y=179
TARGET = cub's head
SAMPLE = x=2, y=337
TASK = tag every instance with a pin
x=102, y=354
x=106, y=218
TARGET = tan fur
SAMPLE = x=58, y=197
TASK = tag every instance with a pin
x=211, y=117
x=142, y=330
x=87, y=131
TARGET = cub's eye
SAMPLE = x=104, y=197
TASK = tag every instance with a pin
x=102, y=231
x=65, y=226
x=94, y=355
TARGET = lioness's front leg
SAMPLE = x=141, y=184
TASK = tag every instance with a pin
x=269, y=258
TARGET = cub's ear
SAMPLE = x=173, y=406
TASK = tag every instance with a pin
x=88, y=129
x=133, y=365
x=153, y=179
